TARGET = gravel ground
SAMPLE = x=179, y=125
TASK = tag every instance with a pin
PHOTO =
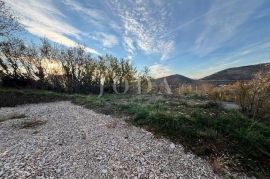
x=69, y=141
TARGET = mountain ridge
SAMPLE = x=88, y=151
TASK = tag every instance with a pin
x=241, y=73
x=238, y=73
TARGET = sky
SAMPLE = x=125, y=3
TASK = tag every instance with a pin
x=194, y=38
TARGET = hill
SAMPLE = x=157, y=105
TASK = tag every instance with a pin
x=238, y=73
x=175, y=80
x=222, y=77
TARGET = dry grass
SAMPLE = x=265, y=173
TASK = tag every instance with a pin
x=218, y=164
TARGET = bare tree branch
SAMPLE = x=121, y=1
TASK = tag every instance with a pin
x=8, y=22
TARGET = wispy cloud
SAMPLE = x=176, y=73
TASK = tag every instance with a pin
x=144, y=25
x=167, y=48
x=206, y=36
x=221, y=26
x=43, y=19
x=97, y=17
x=250, y=54
x=262, y=14
x=159, y=70
x=195, y=19
x=129, y=44
x=107, y=40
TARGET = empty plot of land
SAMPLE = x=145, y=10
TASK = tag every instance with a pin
x=64, y=140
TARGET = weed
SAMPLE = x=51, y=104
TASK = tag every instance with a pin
x=12, y=97
x=204, y=128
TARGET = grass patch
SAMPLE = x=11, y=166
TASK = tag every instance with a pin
x=12, y=97
x=200, y=125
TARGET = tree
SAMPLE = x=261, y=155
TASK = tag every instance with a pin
x=112, y=70
x=8, y=22
x=145, y=80
x=89, y=71
x=12, y=52
x=73, y=62
x=254, y=96
x=8, y=25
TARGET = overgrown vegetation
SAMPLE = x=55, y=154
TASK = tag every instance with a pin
x=13, y=97
x=252, y=96
x=61, y=69
x=201, y=126
x=55, y=67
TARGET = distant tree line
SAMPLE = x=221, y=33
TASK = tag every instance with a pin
x=62, y=69
x=54, y=67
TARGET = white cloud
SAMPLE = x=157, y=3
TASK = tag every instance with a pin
x=140, y=25
x=95, y=17
x=91, y=50
x=93, y=13
x=159, y=70
x=42, y=19
x=144, y=22
x=107, y=40
x=247, y=55
x=221, y=26
x=129, y=44
x=167, y=47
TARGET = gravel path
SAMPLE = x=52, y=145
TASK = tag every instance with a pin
x=69, y=141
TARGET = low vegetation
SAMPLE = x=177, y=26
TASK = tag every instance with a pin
x=12, y=97
x=252, y=96
x=238, y=139
x=201, y=126
x=73, y=70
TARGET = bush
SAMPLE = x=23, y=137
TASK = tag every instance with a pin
x=141, y=115
x=254, y=96
x=206, y=130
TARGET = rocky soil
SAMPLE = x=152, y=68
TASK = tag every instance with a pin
x=62, y=140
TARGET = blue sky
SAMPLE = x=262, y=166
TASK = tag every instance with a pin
x=189, y=37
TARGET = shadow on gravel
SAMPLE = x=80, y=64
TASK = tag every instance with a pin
x=12, y=116
x=30, y=124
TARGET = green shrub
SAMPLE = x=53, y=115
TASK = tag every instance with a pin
x=141, y=115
